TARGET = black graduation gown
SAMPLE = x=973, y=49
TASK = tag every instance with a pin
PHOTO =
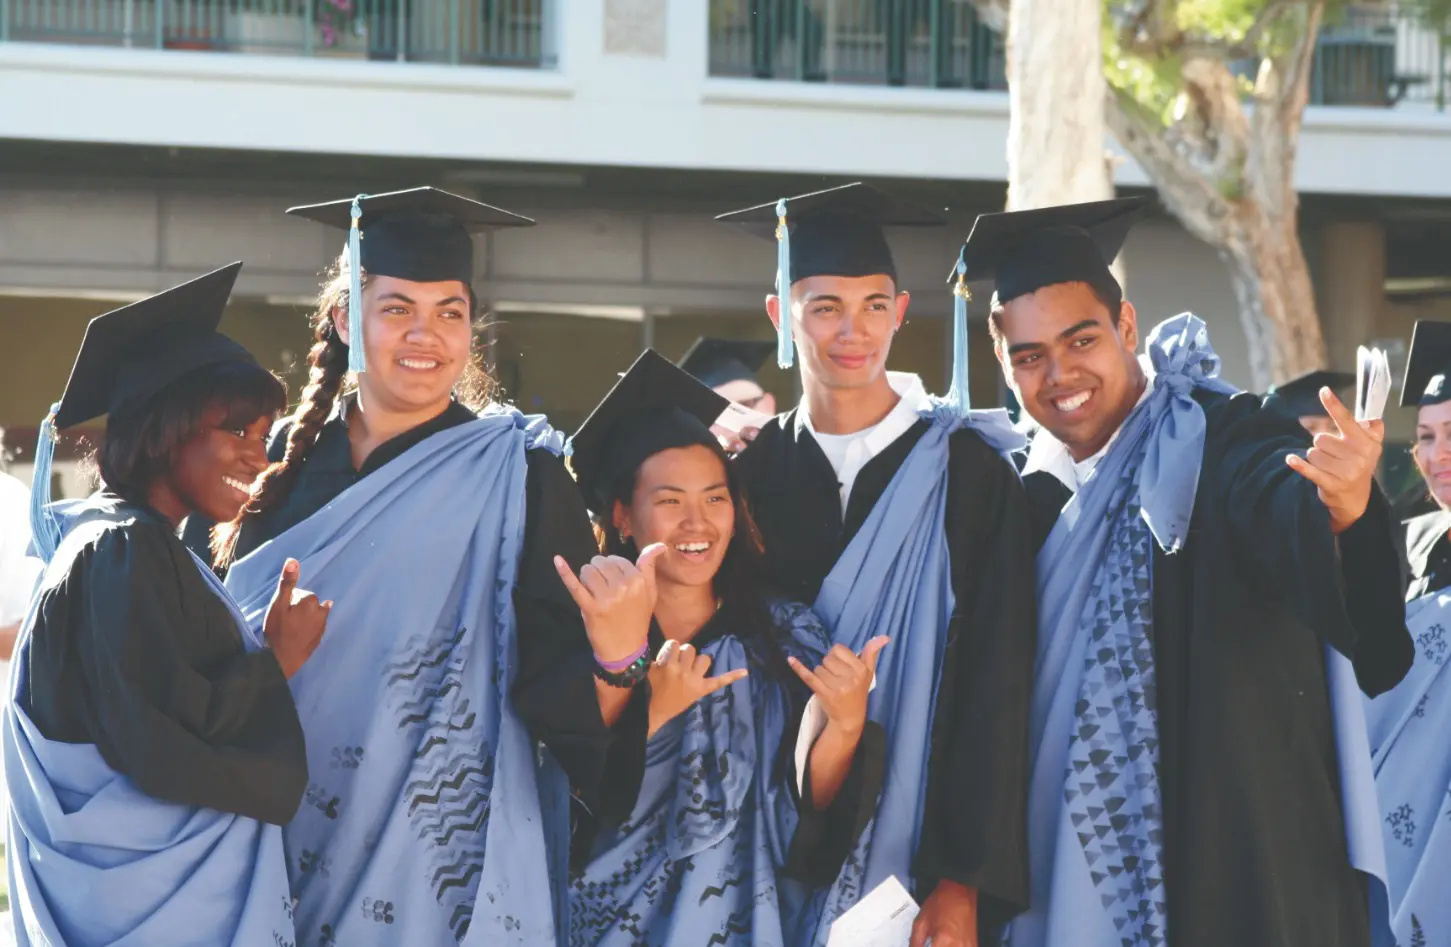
x=132, y=651
x=554, y=690
x=974, y=824
x=1254, y=835
x=1428, y=553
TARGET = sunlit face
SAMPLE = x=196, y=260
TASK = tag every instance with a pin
x=1433, y=450
x=212, y=474
x=844, y=326
x=748, y=394
x=417, y=339
x=1072, y=369
x=681, y=499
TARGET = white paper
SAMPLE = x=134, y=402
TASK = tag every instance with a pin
x=881, y=919
x=1372, y=383
x=738, y=417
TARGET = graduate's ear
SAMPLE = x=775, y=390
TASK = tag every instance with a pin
x=1128, y=326
x=339, y=319
x=902, y=300
x=773, y=309
x=621, y=518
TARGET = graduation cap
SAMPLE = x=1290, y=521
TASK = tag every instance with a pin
x=126, y=357
x=422, y=235
x=836, y=232
x=1023, y=251
x=655, y=406
x=717, y=362
x=1300, y=397
x=1428, y=365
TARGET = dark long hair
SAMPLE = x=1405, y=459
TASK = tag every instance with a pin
x=327, y=362
x=740, y=579
x=142, y=439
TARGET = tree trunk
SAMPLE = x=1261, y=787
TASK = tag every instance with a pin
x=1276, y=298
x=1056, y=97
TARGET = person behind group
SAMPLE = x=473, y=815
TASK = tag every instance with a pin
x=1408, y=726
x=430, y=816
x=896, y=514
x=1204, y=582
x=1299, y=398
x=704, y=815
x=150, y=754
x=729, y=366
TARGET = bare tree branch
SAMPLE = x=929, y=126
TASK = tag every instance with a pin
x=1189, y=194
x=1136, y=39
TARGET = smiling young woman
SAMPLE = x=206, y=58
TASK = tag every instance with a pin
x=139, y=697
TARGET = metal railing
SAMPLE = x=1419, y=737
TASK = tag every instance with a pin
x=933, y=43
x=1380, y=54
x=457, y=32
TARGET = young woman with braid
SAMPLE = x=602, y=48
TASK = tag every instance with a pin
x=431, y=818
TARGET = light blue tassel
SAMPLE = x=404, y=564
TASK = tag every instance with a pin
x=44, y=527
x=356, y=360
x=958, y=395
x=785, y=344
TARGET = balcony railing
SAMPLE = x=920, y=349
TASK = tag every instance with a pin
x=457, y=32
x=933, y=43
x=1372, y=55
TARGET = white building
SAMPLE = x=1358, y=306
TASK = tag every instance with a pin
x=145, y=141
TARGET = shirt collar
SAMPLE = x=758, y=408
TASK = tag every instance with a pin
x=910, y=396
x=1048, y=454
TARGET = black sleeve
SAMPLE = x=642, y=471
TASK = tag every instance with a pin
x=1348, y=589
x=825, y=837
x=225, y=736
x=554, y=691
x=974, y=823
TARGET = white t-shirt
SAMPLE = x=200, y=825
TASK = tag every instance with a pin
x=849, y=453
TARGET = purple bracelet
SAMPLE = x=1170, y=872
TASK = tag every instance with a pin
x=615, y=667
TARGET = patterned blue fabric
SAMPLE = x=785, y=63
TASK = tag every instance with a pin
x=1095, y=814
x=893, y=580
x=1095, y=811
x=95, y=861
x=696, y=861
x=1412, y=758
x=430, y=818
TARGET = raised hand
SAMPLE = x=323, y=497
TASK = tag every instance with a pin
x=1342, y=465
x=295, y=621
x=616, y=599
x=841, y=683
x=678, y=680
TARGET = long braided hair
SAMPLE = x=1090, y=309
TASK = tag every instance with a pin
x=327, y=377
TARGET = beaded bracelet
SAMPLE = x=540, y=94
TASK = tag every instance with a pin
x=628, y=672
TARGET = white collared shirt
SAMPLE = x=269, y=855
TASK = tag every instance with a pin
x=1048, y=454
x=849, y=453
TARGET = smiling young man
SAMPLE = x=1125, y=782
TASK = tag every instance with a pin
x=1196, y=563
x=890, y=521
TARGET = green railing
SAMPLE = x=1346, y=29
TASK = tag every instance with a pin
x=1375, y=55
x=1382, y=55
x=458, y=32
x=934, y=43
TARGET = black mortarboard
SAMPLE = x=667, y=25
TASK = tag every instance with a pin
x=653, y=407
x=422, y=235
x=133, y=352
x=1428, y=365
x=127, y=356
x=1300, y=397
x=836, y=232
x=1023, y=251
x=716, y=362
